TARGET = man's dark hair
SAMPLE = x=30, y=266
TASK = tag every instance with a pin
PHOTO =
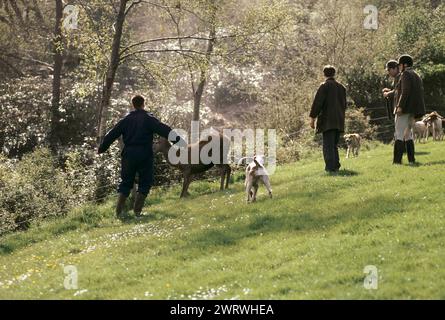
x=406, y=59
x=329, y=71
x=392, y=64
x=138, y=102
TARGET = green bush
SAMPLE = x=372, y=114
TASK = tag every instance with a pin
x=356, y=121
x=31, y=189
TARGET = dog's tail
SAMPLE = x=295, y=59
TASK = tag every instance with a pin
x=257, y=159
x=240, y=161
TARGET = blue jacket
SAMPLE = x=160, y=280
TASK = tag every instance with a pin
x=137, y=130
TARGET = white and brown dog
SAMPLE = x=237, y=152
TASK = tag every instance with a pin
x=256, y=173
x=420, y=131
x=353, y=141
x=434, y=126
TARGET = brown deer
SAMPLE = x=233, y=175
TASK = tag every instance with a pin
x=189, y=170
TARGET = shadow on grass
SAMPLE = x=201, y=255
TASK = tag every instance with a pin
x=344, y=173
x=148, y=216
x=302, y=222
x=433, y=163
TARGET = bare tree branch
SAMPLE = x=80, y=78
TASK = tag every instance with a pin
x=179, y=51
x=170, y=7
x=191, y=37
x=178, y=33
x=12, y=67
x=30, y=59
x=132, y=5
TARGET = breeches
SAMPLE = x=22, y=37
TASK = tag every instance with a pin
x=404, y=127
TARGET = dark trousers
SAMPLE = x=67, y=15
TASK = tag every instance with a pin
x=330, y=150
x=130, y=166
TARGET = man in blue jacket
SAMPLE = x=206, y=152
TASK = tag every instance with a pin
x=136, y=129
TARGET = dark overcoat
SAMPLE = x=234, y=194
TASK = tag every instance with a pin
x=410, y=94
x=329, y=106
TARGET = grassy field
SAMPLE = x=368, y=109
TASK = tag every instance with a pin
x=312, y=241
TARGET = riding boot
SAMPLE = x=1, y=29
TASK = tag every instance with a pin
x=120, y=206
x=410, y=150
x=139, y=204
x=399, y=147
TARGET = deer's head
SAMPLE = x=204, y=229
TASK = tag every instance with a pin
x=162, y=145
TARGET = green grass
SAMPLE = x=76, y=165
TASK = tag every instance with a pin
x=312, y=241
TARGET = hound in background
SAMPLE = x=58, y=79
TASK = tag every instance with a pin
x=420, y=131
x=256, y=173
x=434, y=125
x=353, y=141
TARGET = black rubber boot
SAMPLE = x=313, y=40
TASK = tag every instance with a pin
x=139, y=204
x=120, y=206
x=410, y=150
x=399, y=147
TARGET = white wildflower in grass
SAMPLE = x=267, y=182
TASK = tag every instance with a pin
x=112, y=240
x=80, y=292
x=17, y=279
x=208, y=294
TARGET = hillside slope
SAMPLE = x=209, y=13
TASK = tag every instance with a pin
x=312, y=241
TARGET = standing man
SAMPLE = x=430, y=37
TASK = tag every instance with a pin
x=410, y=105
x=329, y=108
x=137, y=130
x=392, y=67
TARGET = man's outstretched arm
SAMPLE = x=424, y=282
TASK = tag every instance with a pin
x=164, y=131
x=110, y=137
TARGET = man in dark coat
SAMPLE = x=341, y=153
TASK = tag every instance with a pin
x=410, y=105
x=392, y=67
x=137, y=130
x=329, y=109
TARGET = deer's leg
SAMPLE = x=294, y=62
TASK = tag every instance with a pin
x=186, y=184
x=228, y=172
x=222, y=173
x=187, y=193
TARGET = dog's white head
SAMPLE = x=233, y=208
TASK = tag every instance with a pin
x=351, y=138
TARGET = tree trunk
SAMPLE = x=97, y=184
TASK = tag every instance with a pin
x=107, y=90
x=54, y=138
x=197, y=96
x=111, y=72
